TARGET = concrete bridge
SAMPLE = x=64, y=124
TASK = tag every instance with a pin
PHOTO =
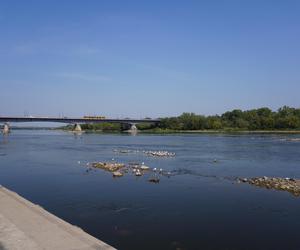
x=76, y=121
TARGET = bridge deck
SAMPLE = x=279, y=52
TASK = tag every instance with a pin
x=74, y=120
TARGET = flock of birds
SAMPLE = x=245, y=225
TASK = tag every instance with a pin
x=159, y=153
x=139, y=169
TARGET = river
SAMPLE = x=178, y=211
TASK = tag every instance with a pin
x=200, y=206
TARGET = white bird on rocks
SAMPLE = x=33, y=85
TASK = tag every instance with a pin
x=138, y=173
x=154, y=169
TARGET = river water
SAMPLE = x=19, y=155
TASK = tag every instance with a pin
x=200, y=206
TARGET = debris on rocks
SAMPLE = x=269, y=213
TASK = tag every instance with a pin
x=286, y=184
x=117, y=174
x=143, y=167
x=159, y=153
x=111, y=167
x=125, y=151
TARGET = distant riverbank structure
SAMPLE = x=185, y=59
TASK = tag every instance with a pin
x=131, y=123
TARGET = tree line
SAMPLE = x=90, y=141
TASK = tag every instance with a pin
x=254, y=119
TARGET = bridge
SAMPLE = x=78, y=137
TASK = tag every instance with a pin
x=76, y=121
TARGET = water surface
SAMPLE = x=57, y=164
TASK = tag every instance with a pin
x=200, y=207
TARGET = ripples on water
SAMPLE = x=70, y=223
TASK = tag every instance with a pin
x=199, y=207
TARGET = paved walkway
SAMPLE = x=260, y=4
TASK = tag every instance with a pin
x=26, y=226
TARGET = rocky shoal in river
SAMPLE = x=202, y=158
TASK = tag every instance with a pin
x=285, y=184
x=111, y=167
x=120, y=169
x=159, y=153
x=290, y=185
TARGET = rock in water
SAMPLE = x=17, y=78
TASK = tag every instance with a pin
x=138, y=173
x=154, y=180
x=112, y=167
x=117, y=174
x=286, y=184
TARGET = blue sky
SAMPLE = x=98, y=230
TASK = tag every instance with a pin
x=147, y=58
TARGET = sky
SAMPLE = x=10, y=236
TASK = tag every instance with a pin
x=147, y=58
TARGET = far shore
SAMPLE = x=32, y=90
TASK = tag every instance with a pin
x=169, y=131
x=162, y=131
x=227, y=131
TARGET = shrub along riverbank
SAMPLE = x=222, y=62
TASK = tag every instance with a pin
x=285, y=119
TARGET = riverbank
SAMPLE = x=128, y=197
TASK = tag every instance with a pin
x=207, y=131
x=24, y=225
x=224, y=131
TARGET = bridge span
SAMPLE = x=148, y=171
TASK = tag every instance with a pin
x=76, y=121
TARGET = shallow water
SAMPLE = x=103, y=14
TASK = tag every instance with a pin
x=199, y=207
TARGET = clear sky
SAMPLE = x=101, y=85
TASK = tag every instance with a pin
x=147, y=58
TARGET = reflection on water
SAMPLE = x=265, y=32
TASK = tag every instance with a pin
x=199, y=206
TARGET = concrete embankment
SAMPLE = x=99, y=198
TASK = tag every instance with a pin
x=26, y=226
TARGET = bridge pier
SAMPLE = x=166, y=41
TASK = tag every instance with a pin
x=6, y=129
x=77, y=128
x=133, y=129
